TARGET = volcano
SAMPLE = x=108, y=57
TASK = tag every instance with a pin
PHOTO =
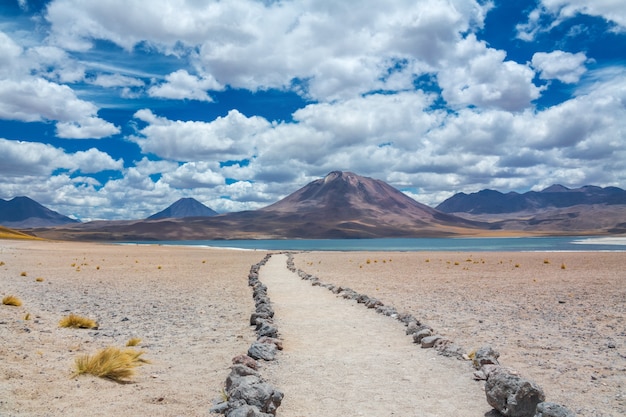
x=340, y=205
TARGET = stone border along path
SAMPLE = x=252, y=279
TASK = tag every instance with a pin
x=333, y=365
x=246, y=393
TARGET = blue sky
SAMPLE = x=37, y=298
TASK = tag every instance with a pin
x=117, y=108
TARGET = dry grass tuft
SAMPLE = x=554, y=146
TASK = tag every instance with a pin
x=39, y=279
x=77, y=322
x=23, y=274
x=133, y=342
x=11, y=300
x=110, y=363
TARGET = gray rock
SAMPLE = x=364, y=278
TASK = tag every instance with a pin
x=485, y=356
x=512, y=395
x=246, y=411
x=266, y=329
x=547, y=409
x=258, y=394
x=219, y=407
x=429, y=341
x=420, y=334
x=265, y=351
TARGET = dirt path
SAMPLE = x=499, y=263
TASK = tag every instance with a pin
x=342, y=359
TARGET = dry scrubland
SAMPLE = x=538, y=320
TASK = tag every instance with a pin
x=189, y=306
x=558, y=318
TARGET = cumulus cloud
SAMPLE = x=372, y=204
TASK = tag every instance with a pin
x=480, y=76
x=35, y=159
x=230, y=137
x=36, y=99
x=349, y=50
x=181, y=85
x=563, y=66
x=551, y=13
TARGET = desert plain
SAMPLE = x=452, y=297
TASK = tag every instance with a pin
x=557, y=318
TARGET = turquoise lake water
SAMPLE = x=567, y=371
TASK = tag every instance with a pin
x=532, y=244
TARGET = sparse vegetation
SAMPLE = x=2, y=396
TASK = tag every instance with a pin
x=78, y=322
x=546, y=261
x=27, y=316
x=133, y=341
x=11, y=300
x=2, y=263
x=110, y=363
x=39, y=279
x=23, y=274
x=563, y=266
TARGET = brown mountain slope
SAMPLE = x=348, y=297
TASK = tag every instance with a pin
x=341, y=205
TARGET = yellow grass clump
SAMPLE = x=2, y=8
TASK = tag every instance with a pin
x=110, y=363
x=133, y=342
x=11, y=300
x=77, y=322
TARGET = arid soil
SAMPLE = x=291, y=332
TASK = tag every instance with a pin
x=557, y=318
x=190, y=307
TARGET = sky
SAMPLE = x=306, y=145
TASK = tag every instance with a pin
x=115, y=109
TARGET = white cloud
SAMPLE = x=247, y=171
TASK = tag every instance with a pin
x=480, y=76
x=330, y=50
x=551, y=13
x=38, y=159
x=181, y=85
x=230, y=137
x=195, y=175
x=36, y=99
x=563, y=66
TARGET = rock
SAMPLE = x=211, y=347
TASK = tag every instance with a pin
x=273, y=340
x=429, y=341
x=420, y=334
x=265, y=351
x=254, y=316
x=258, y=394
x=547, y=409
x=266, y=329
x=245, y=360
x=512, y=395
x=246, y=411
x=219, y=407
x=373, y=303
x=485, y=356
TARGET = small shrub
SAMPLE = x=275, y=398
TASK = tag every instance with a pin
x=2, y=263
x=27, y=316
x=11, y=300
x=562, y=266
x=77, y=322
x=39, y=279
x=546, y=261
x=23, y=274
x=517, y=265
x=110, y=363
x=133, y=341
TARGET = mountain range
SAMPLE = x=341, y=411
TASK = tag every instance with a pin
x=346, y=205
x=555, y=196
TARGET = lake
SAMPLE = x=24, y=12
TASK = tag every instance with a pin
x=468, y=244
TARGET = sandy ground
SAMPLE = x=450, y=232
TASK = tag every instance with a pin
x=558, y=318
x=340, y=359
x=190, y=307
x=563, y=328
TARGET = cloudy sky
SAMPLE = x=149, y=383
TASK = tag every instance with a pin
x=114, y=109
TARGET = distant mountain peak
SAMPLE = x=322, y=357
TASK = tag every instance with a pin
x=185, y=207
x=555, y=188
x=24, y=212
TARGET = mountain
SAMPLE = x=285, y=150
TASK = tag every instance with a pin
x=340, y=205
x=23, y=212
x=185, y=207
x=553, y=197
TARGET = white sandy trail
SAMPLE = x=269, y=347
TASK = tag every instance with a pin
x=341, y=359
